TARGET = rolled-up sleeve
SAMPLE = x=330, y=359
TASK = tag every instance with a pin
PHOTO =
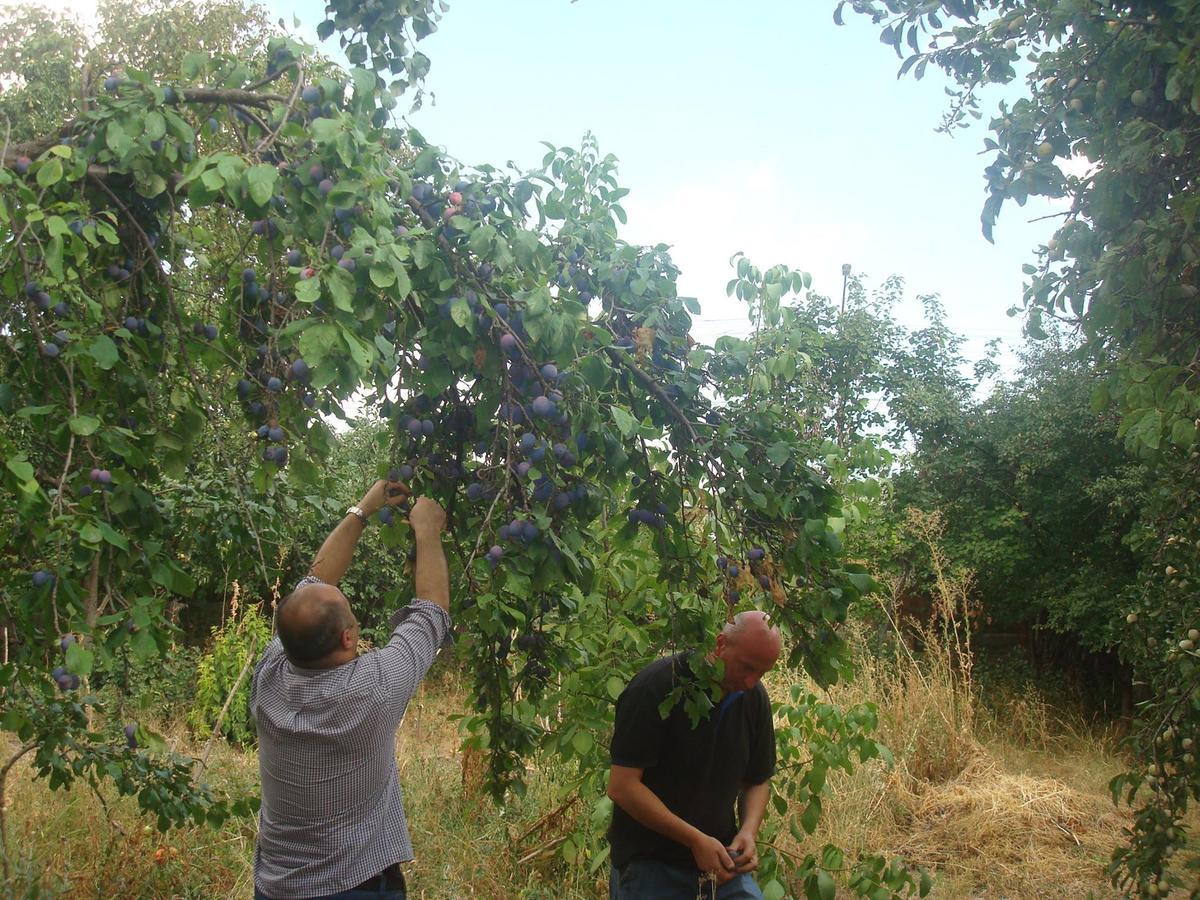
x=404, y=660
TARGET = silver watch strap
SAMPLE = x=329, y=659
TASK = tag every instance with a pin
x=357, y=511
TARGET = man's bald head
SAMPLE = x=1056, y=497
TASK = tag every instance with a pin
x=311, y=621
x=749, y=647
x=753, y=627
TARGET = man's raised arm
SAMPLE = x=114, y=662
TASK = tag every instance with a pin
x=335, y=554
x=431, y=580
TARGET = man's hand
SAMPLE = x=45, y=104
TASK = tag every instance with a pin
x=711, y=856
x=427, y=517
x=383, y=493
x=744, y=852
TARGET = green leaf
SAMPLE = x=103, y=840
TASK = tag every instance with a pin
x=615, y=685
x=361, y=352
x=773, y=890
x=826, y=889
x=341, y=287
x=54, y=252
x=154, y=126
x=316, y=342
x=143, y=644
x=83, y=425
x=212, y=179
x=104, y=351
x=113, y=537
x=1183, y=433
x=21, y=468
x=116, y=139
x=1146, y=431
x=861, y=581
x=594, y=371
x=308, y=290
x=626, y=423
x=460, y=312
x=382, y=276
x=79, y=659
x=50, y=172
x=582, y=742
x=811, y=815
x=260, y=183
x=779, y=453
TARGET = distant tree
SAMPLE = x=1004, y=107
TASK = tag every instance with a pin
x=1039, y=498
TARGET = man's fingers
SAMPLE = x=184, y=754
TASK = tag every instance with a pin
x=397, y=491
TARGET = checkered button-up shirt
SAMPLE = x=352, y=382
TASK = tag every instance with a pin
x=332, y=815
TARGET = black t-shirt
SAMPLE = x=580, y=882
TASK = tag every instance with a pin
x=696, y=772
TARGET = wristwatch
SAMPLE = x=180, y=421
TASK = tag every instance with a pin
x=357, y=511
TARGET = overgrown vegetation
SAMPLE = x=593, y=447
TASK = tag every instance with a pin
x=1009, y=798
x=214, y=244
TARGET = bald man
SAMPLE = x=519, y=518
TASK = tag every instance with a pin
x=689, y=800
x=332, y=821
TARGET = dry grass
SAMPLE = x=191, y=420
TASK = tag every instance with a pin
x=464, y=843
x=987, y=816
x=1012, y=803
x=990, y=815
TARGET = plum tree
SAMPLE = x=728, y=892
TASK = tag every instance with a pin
x=527, y=367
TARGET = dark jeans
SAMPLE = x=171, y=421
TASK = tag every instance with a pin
x=646, y=879
x=386, y=891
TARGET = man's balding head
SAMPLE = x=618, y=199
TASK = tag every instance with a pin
x=313, y=624
x=749, y=647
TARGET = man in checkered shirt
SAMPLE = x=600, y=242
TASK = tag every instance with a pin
x=332, y=821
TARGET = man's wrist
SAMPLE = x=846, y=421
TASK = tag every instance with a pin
x=427, y=533
x=358, y=512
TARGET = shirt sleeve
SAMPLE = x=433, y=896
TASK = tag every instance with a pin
x=410, y=652
x=761, y=764
x=639, y=729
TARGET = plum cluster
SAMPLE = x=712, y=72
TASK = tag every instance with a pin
x=732, y=571
x=66, y=681
x=475, y=201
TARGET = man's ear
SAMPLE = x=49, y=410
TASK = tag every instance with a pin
x=348, y=641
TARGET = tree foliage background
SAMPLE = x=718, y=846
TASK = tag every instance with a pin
x=1107, y=124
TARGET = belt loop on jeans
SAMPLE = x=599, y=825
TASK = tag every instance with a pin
x=390, y=879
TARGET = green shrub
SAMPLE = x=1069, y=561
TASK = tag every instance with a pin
x=244, y=634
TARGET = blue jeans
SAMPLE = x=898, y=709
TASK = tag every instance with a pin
x=647, y=879
x=398, y=894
